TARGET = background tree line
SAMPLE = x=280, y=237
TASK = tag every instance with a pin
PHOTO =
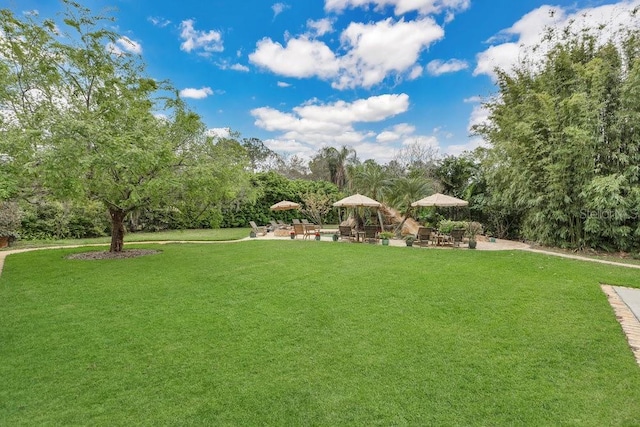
x=90, y=145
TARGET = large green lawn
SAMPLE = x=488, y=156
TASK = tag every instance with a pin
x=313, y=333
x=216, y=234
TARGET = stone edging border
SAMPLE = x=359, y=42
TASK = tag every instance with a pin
x=630, y=324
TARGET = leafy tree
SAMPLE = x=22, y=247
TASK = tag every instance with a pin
x=565, y=134
x=93, y=127
x=9, y=219
x=404, y=191
x=293, y=167
x=331, y=164
x=456, y=173
x=260, y=156
x=317, y=205
x=417, y=160
x=370, y=179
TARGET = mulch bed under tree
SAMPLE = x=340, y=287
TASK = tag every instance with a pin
x=128, y=253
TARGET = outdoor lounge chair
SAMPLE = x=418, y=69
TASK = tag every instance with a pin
x=304, y=221
x=345, y=232
x=371, y=233
x=424, y=236
x=456, y=237
x=305, y=230
x=283, y=225
x=275, y=225
x=259, y=230
x=296, y=221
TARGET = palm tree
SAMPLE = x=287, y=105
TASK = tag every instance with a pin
x=342, y=158
x=370, y=179
x=405, y=191
x=332, y=164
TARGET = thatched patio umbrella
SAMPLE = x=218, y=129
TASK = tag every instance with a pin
x=360, y=201
x=440, y=200
x=285, y=205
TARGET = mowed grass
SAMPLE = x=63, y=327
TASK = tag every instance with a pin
x=218, y=234
x=313, y=333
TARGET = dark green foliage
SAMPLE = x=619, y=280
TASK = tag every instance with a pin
x=566, y=144
x=94, y=133
x=272, y=188
x=55, y=220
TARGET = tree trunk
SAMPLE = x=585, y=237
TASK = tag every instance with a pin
x=117, y=229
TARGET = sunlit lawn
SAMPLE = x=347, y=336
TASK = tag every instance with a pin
x=189, y=235
x=313, y=333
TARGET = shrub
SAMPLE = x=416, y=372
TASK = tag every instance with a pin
x=445, y=226
x=473, y=229
x=9, y=219
x=55, y=220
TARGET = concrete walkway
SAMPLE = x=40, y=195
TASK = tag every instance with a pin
x=626, y=306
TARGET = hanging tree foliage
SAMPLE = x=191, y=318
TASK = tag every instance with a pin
x=82, y=121
x=565, y=139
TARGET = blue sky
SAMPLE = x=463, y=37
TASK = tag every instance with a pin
x=375, y=75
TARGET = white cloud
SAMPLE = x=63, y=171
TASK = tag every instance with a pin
x=290, y=147
x=514, y=44
x=284, y=84
x=278, y=8
x=314, y=125
x=320, y=27
x=372, y=53
x=379, y=152
x=472, y=100
x=218, y=132
x=196, y=93
x=379, y=49
x=438, y=67
x=205, y=42
x=430, y=141
x=158, y=21
x=479, y=116
x=124, y=44
x=300, y=58
x=396, y=133
x=415, y=72
x=457, y=149
x=424, y=7
x=239, y=67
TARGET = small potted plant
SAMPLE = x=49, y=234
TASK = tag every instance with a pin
x=317, y=235
x=385, y=236
x=409, y=239
x=292, y=234
x=473, y=229
x=335, y=237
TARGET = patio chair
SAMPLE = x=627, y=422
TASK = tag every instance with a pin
x=371, y=234
x=305, y=221
x=296, y=221
x=456, y=237
x=259, y=230
x=346, y=233
x=301, y=230
x=424, y=236
x=283, y=225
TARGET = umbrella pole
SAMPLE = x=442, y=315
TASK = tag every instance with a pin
x=380, y=219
